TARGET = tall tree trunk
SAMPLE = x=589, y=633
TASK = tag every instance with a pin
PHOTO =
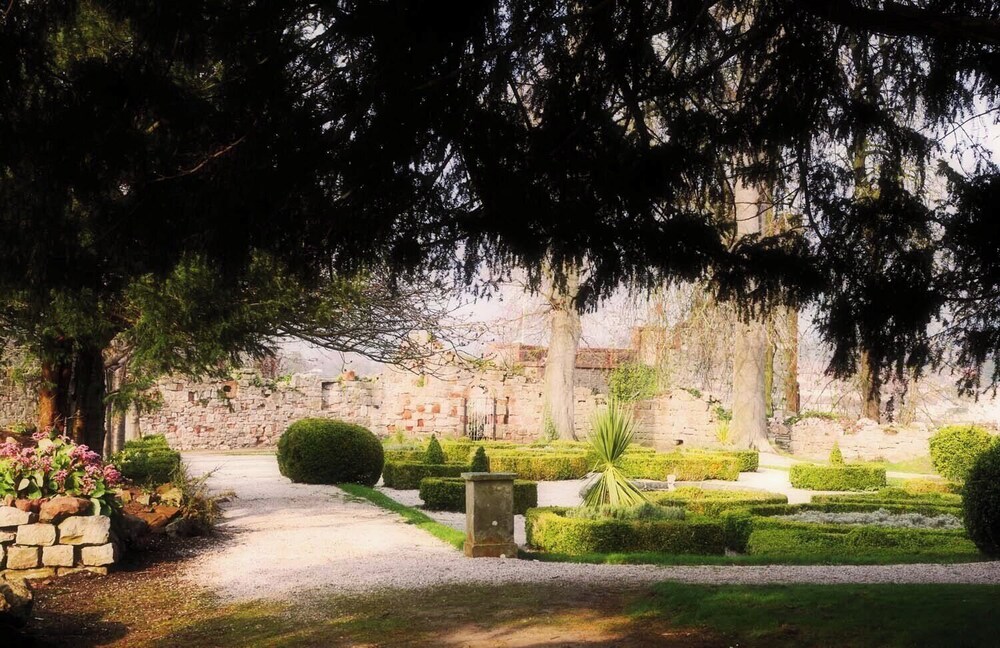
x=871, y=389
x=54, y=393
x=749, y=424
x=88, y=402
x=560, y=362
x=793, y=398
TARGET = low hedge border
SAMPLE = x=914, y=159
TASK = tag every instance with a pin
x=448, y=494
x=713, y=502
x=406, y=475
x=692, y=467
x=855, y=507
x=540, y=466
x=849, y=477
x=549, y=530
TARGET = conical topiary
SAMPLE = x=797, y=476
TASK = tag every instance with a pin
x=480, y=462
x=836, y=456
x=434, y=454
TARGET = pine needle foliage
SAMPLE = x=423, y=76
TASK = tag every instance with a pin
x=612, y=433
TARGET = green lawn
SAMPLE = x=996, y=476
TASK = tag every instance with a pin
x=833, y=615
x=408, y=513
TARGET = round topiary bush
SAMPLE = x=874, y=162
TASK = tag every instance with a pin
x=323, y=451
x=955, y=448
x=981, y=501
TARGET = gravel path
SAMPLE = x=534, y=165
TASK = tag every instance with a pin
x=285, y=539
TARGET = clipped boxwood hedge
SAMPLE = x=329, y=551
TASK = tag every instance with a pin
x=148, y=460
x=327, y=451
x=406, y=475
x=686, y=467
x=748, y=460
x=849, y=477
x=540, y=466
x=898, y=497
x=955, y=448
x=448, y=494
x=713, y=502
x=548, y=529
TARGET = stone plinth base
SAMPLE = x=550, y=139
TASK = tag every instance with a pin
x=489, y=515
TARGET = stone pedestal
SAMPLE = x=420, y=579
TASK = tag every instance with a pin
x=489, y=515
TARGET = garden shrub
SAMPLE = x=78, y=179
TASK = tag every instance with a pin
x=631, y=381
x=480, y=462
x=849, y=477
x=435, y=455
x=981, y=502
x=148, y=460
x=326, y=451
x=549, y=529
x=955, y=448
x=612, y=430
x=836, y=456
x=921, y=486
x=406, y=475
x=541, y=466
x=393, y=454
x=686, y=467
x=448, y=494
x=747, y=460
x=712, y=502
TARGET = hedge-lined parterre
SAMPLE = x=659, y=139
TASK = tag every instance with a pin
x=448, y=494
x=406, y=475
x=685, y=467
x=540, y=466
x=713, y=502
x=848, y=477
x=549, y=529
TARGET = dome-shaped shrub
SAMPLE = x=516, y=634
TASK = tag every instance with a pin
x=323, y=451
x=956, y=447
x=981, y=501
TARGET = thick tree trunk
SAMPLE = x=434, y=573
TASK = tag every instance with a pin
x=560, y=362
x=54, y=393
x=88, y=398
x=793, y=398
x=749, y=424
x=871, y=389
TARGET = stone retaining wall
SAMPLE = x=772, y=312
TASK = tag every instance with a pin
x=30, y=548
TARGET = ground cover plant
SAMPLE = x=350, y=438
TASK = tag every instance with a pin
x=325, y=451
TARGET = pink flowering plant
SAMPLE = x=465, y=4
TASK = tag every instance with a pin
x=57, y=466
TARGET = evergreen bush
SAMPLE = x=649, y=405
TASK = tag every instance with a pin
x=955, y=448
x=325, y=451
x=480, y=462
x=435, y=455
x=981, y=502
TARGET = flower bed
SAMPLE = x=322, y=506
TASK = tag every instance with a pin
x=879, y=517
x=549, y=529
x=448, y=494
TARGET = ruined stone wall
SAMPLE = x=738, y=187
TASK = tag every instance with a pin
x=862, y=440
x=18, y=405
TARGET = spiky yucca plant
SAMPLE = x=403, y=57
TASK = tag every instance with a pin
x=613, y=429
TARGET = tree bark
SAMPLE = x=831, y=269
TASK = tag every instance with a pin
x=53, y=395
x=88, y=398
x=871, y=389
x=793, y=398
x=749, y=424
x=560, y=361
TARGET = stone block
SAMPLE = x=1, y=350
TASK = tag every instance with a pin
x=7, y=536
x=58, y=556
x=99, y=556
x=59, y=508
x=22, y=557
x=30, y=574
x=11, y=516
x=85, y=529
x=38, y=535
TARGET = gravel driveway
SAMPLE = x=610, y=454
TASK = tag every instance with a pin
x=283, y=539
